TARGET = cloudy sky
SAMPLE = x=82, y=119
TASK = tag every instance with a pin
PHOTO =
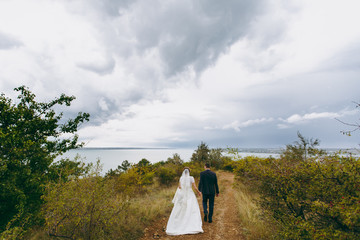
x=172, y=73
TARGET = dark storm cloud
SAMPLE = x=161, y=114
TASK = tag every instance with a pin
x=175, y=73
x=192, y=34
x=8, y=42
x=186, y=34
x=182, y=34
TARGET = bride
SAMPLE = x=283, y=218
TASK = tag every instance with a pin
x=185, y=216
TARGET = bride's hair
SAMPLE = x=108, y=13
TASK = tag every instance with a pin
x=187, y=169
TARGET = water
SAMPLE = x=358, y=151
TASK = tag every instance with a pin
x=112, y=157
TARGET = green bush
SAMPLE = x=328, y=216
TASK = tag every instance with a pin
x=92, y=207
x=135, y=179
x=166, y=175
x=313, y=195
x=85, y=208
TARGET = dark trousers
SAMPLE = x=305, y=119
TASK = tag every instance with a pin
x=211, y=198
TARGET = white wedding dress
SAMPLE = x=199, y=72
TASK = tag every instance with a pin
x=185, y=216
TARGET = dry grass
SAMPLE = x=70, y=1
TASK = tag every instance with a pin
x=141, y=211
x=256, y=223
x=144, y=209
x=152, y=205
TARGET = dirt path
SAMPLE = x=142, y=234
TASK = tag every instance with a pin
x=225, y=225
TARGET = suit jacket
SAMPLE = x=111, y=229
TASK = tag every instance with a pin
x=208, y=183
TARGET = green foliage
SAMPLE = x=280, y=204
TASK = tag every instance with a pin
x=125, y=165
x=216, y=158
x=204, y=154
x=66, y=169
x=302, y=149
x=13, y=233
x=167, y=174
x=136, y=178
x=313, y=195
x=95, y=207
x=143, y=163
x=228, y=164
x=31, y=136
x=176, y=160
x=85, y=208
x=201, y=154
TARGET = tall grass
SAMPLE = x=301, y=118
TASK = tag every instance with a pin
x=151, y=206
x=256, y=223
x=145, y=209
x=138, y=212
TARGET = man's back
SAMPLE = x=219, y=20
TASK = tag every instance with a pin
x=208, y=183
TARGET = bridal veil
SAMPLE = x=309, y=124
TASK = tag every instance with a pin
x=185, y=217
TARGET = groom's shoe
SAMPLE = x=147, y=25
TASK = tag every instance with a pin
x=210, y=220
x=205, y=217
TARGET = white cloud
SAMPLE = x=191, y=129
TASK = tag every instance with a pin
x=296, y=118
x=165, y=73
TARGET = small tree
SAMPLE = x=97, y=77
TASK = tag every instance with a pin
x=32, y=135
x=176, y=159
x=125, y=165
x=201, y=154
x=302, y=149
x=216, y=158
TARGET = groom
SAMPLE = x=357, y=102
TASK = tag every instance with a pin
x=208, y=186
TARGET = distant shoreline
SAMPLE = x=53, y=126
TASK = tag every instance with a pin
x=120, y=148
x=240, y=149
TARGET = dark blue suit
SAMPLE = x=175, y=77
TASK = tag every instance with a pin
x=208, y=186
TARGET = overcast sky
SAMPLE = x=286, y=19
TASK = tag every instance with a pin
x=174, y=73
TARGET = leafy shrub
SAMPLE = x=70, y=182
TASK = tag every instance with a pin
x=135, y=179
x=13, y=233
x=313, y=195
x=67, y=169
x=228, y=164
x=91, y=207
x=167, y=175
x=84, y=208
x=215, y=158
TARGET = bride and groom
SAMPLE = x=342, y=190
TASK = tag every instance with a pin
x=185, y=216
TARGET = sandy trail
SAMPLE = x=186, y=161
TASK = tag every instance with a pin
x=225, y=225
